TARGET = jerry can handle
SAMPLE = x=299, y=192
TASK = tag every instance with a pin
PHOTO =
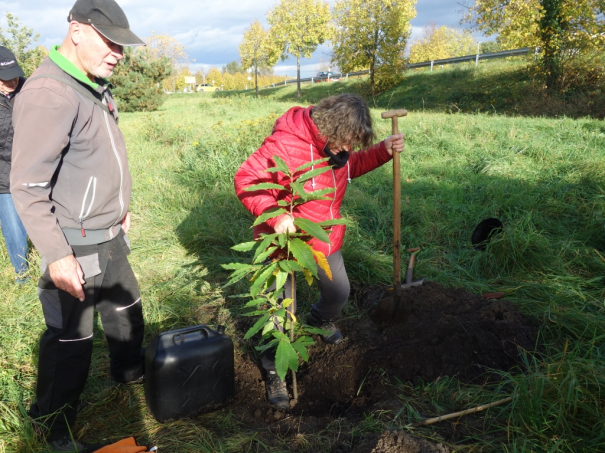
x=181, y=336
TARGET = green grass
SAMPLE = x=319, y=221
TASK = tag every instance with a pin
x=544, y=178
x=510, y=86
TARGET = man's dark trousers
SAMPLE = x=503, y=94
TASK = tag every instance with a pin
x=66, y=346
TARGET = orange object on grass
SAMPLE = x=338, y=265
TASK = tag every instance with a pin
x=124, y=446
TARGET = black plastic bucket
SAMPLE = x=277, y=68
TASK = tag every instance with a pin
x=483, y=232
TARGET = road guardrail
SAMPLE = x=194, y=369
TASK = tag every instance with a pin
x=424, y=64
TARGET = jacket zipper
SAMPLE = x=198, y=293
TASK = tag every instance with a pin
x=332, y=204
x=92, y=182
x=115, y=151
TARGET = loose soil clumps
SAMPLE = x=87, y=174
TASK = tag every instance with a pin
x=398, y=442
x=450, y=332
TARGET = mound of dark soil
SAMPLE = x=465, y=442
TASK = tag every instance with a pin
x=398, y=442
x=450, y=332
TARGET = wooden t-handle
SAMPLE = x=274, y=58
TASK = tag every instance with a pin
x=394, y=113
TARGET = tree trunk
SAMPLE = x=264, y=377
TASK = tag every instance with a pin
x=256, y=78
x=373, y=65
x=298, y=75
x=551, y=29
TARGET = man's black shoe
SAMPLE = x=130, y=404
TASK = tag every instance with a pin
x=277, y=392
x=333, y=337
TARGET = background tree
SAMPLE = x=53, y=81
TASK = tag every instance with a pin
x=232, y=67
x=257, y=50
x=298, y=27
x=437, y=43
x=200, y=77
x=165, y=46
x=215, y=78
x=490, y=46
x=19, y=38
x=266, y=71
x=240, y=81
x=228, y=81
x=566, y=30
x=177, y=78
x=138, y=80
x=372, y=34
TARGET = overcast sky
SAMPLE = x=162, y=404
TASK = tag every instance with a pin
x=211, y=31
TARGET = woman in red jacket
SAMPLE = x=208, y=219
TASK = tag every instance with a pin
x=333, y=128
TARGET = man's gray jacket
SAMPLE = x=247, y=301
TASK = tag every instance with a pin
x=69, y=180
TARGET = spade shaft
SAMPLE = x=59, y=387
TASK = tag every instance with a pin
x=394, y=115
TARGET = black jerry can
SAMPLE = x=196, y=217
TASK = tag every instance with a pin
x=189, y=371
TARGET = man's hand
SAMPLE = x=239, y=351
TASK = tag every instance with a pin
x=68, y=276
x=286, y=223
x=125, y=222
x=395, y=142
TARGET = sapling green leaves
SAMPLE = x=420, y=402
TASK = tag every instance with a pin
x=264, y=245
x=312, y=228
x=244, y=247
x=258, y=325
x=329, y=223
x=312, y=164
x=269, y=214
x=312, y=174
x=302, y=252
x=264, y=255
x=279, y=162
x=256, y=302
x=257, y=286
x=264, y=186
x=276, y=259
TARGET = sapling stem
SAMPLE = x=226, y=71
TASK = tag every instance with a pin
x=293, y=311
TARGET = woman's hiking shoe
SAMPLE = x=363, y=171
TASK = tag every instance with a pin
x=137, y=381
x=277, y=392
x=333, y=336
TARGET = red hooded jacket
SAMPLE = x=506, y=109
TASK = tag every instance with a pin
x=296, y=140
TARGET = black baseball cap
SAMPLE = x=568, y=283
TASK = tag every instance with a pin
x=107, y=18
x=9, y=68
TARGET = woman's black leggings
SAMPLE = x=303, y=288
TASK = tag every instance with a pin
x=334, y=295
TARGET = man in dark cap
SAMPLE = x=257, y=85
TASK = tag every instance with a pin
x=15, y=237
x=71, y=186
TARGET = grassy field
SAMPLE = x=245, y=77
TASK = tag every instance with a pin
x=508, y=86
x=544, y=178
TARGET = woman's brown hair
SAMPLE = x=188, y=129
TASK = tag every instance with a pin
x=344, y=119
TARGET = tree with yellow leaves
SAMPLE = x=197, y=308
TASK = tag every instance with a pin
x=372, y=34
x=298, y=27
x=564, y=29
x=442, y=42
x=164, y=45
x=257, y=49
x=215, y=77
x=240, y=80
x=178, y=79
x=228, y=82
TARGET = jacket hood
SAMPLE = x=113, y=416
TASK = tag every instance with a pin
x=298, y=122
